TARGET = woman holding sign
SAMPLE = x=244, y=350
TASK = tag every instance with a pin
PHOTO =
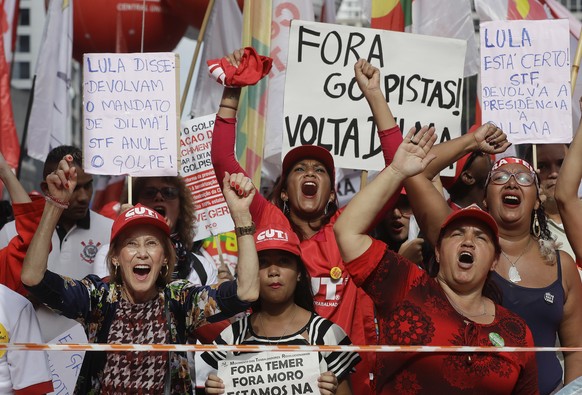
x=284, y=314
x=306, y=197
x=538, y=282
x=139, y=304
x=453, y=309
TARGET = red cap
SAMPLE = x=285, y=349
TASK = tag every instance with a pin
x=309, y=152
x=138, y=215
x=277, y=237
x=475, y=212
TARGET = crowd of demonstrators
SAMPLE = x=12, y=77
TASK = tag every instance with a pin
x=453, y=309
x=285, y=314
x=80, y=232
x=306, y=196
x=172, y=199
x=536, y=281
x=139, y=304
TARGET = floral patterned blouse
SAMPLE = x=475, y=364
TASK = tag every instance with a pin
x=172, y=318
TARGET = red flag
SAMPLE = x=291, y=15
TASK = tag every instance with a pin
x=9, y=144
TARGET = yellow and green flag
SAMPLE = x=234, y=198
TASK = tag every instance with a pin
x=253, y=102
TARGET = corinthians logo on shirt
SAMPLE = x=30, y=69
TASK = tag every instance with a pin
x=89, y=251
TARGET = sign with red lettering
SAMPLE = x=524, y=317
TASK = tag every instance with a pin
x=525, y=79
x=212, y=214
x=130, y=116
x=421, y=78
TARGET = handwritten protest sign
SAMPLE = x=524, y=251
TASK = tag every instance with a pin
x=130, y=117
x=212, y=215
x=270, y=373
x=525, y=79
x=421, y=78
x=65, y=366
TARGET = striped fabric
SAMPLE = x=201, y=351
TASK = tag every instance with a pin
x=318, y=331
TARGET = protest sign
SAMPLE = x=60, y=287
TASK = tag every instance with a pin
x=421, y=78
x=271, y=373
x=212, y=214
x=525, y=79
x=130, y=116
x=65, y=366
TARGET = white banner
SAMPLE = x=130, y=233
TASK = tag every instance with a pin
x=130, y=114
x=270, y=373
x=525, y=79
x=212, y=214
x=421, y=77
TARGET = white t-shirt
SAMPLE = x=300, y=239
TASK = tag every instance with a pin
x=18, y=324
x=75, y=257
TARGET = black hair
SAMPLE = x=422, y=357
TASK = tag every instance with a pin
x=56, y=155
x=303, y=297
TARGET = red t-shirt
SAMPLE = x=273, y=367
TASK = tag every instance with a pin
x=412, y=309
x=340, y=301
x=27, y=217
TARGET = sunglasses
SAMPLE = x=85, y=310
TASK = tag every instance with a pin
x=168, y=193
x=523, y=178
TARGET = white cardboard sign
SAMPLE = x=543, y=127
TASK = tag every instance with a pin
x=130, y=114
x=212, y=214
x=525, y=79
x=421, y=78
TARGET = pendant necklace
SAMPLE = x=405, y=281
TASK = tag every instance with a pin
x=514, y=276
x=284, y=332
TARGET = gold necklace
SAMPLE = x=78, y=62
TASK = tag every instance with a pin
x=513, y=273
x=286, y=328
x=461, y=311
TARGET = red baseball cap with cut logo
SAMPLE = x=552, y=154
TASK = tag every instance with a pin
x=277, y=237
x=138, y=215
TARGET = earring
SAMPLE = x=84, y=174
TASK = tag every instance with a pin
x=536, y=228
x=162, y=271
x=326, y=208
x=285, y=207
x=115, y=273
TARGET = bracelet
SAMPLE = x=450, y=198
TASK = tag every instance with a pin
x=56, y=202
x=245, y=230
x=227, y=106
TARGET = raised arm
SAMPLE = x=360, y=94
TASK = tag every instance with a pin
x=239, y=192
x=411, y=158
x=566, y=193
x=61, y=185
x=224, y=137
x=15, y=189
x=488, y=138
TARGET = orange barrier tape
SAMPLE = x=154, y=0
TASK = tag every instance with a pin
x=258, y=348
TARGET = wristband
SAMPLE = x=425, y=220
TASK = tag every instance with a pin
x=245, y=230
x=56, y=202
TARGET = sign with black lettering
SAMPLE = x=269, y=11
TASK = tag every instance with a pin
x=525, y=79
x=212, y=214
x=130, y=114
x=271, y=373
x=421, y=78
